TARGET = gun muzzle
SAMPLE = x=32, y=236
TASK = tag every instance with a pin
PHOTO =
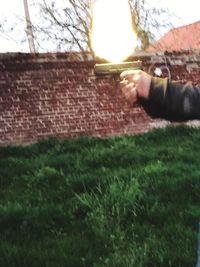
x=116, y=68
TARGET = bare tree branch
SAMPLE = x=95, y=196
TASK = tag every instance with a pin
x=68, y=28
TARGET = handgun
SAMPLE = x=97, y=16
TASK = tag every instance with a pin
x=116, y=68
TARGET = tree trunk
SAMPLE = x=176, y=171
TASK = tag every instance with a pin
x=29, y=31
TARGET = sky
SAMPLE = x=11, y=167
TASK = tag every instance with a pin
x=185, y=12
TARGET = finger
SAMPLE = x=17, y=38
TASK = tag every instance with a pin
x=128, y=75
x=127, y=87
x=132, y=96
x=130, y=93
x=123, y=83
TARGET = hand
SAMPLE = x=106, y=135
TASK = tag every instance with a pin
x=135, y=84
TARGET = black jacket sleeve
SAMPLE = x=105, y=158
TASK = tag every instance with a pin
x=175, y=99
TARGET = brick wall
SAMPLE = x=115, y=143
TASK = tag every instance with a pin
x=58, y=95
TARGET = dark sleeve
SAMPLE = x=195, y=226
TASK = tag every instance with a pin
x=175, y=99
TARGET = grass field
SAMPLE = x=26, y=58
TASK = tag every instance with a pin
x=117, y=202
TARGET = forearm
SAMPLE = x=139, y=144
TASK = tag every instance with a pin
x=175, y=99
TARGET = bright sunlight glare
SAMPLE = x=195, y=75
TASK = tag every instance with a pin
x=112, y=35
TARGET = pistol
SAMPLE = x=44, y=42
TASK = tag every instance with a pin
x=116, y=68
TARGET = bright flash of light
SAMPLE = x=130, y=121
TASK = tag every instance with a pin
x=112, y=35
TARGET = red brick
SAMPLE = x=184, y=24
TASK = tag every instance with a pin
x=52, y=95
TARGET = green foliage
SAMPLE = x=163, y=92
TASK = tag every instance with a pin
x=125, y=201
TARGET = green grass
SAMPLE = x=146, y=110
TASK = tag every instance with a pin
x=117, y=202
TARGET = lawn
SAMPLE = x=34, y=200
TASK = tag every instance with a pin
x=130, y=201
